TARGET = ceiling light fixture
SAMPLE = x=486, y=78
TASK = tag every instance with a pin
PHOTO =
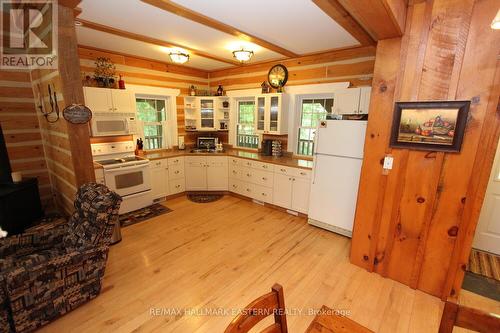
x=496, y=21
x=179, y=57
x=242, y=55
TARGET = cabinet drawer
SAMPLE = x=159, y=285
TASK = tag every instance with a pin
x=293, y=172
x=176, y=161
x=235, y=186
x=176, y=171
x=177, y=186
x=263, y=166
x=158, y=163
x=263, y=178
x=263, y=193
x=246, y=163
x=234, y=172
x=234, y=161
x=247, y=189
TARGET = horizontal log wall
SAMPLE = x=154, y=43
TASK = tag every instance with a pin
x=23, y=136
x=149, y=73
x=354, y=65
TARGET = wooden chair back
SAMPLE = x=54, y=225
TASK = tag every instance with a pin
x=469, y=318
x=272, y=303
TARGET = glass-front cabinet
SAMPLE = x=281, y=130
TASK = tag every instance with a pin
x=271, y=117
x=207, y=110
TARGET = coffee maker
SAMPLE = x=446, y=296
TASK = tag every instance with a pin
x=267, y=147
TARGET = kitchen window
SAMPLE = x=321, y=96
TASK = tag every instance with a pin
x=312, y=111
x=245, y=128
x=152, y=113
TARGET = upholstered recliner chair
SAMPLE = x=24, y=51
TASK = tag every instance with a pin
x=51, y=269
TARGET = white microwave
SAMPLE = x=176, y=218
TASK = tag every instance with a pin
x=105, y=124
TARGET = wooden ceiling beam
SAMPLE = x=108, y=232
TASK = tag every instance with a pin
x=146, y=39
x=337, y=12
x=217, y=25
x=382, y=19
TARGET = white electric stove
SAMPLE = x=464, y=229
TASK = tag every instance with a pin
x=126, y=174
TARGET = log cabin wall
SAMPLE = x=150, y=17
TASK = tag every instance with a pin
x=354, y=65
x=149, y=73
x=416, y=224
x=67, y=146
x=22, y=132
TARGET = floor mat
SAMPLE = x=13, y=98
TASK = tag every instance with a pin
x=482, y=285
x=485, y=264
x=143, y=214
x=204, y=198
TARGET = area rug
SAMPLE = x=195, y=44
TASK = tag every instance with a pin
x=485, y=264
x=204, y=198
x=143, y=214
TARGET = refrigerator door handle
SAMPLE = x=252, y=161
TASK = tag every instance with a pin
x=315, y=151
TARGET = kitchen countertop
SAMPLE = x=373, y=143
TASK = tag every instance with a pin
x=283, y=160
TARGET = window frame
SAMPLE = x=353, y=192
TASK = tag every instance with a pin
x=237, y=122
x=298, y=119
x=164, y=123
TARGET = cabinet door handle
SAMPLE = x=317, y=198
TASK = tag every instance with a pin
x=290, y=178
x=264, y=178
x=283, y=170
x=234, y=172
x=303, y=173
x=176, y=172
x=249, y=175
x=177, y=186
x=264, y=166
x=248, y=190
x=264, y=195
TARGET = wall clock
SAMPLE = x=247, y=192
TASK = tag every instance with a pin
x=277, y=76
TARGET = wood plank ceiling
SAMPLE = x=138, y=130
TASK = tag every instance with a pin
x=210, y=30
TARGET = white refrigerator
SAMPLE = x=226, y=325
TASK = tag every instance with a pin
x=338, y=155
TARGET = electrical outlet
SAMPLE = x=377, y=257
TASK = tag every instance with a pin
x=388, y=161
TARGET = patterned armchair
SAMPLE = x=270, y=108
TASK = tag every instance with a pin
x=51, y=269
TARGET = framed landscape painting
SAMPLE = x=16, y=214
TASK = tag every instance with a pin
x=436, y=126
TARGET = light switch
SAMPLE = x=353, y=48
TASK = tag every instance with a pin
x=388, y=161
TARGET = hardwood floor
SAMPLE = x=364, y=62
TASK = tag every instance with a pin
x=224, y=254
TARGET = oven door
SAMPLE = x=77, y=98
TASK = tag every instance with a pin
x=109, y=126
x=128, y=180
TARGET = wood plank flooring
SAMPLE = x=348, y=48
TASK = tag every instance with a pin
x=224, y=254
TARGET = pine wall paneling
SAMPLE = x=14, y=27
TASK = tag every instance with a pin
x=415, y=225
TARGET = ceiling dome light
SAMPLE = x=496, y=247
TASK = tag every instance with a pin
x=496, y=21
x=179, y=57
x=243, y=55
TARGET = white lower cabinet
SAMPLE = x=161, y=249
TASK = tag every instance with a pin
x=291, y=188
x=282, y=191
x=167, y=177
x=251, y=179
x=206, y=173
x=159, y=178
x=196, y=173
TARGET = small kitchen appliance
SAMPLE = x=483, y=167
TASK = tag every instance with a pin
x=267, y=147
x=205, y=142
x=181, y=143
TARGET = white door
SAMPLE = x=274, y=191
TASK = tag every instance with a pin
x=123, y=101
x=159, y=181
x=300, y=194
x=282, y=191
x=217, y=170
x=196, y=173
x=98, y=99
x=364, y=100
x=487, y=236
x=346, y=101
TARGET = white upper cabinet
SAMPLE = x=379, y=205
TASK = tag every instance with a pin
x=364, y=100
x=352, y=101
x=109, y=100
x=271, y=111
x=205, y=113
x=346, y=101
